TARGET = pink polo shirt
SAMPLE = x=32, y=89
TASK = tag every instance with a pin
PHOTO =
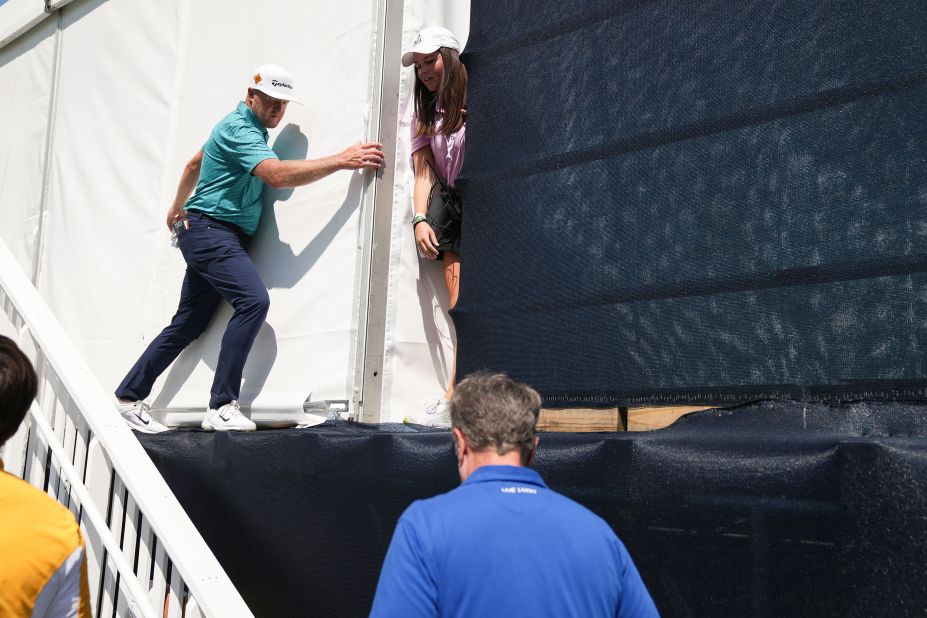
x=448, y=150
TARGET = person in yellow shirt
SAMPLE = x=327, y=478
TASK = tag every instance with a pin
x=43, y=567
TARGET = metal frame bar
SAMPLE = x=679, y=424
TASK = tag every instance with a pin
x=378, y=217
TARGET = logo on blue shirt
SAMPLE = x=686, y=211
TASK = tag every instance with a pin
x=519, y=490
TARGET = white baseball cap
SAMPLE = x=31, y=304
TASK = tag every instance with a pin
x=274, y=81
x=429, y=40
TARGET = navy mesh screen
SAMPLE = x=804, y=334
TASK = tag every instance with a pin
x=696, y=201
x=767, y=510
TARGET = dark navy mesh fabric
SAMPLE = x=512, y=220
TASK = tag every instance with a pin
x=773, y=509
x=668, y=201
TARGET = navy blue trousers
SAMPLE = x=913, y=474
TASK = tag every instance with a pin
x=218, y=266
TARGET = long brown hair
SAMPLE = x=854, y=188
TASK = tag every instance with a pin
x=451, y=96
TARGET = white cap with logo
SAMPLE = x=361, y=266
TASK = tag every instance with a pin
x=429, y=40
x=274, y=81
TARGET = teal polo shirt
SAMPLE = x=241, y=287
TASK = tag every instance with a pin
x=226, y=189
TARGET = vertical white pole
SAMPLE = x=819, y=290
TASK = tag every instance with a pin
x=378, y=215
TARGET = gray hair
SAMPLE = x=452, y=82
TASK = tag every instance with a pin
x=495, y=412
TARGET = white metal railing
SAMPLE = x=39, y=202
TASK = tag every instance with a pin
x=145, y=557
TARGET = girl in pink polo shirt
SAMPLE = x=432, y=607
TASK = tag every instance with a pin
x=438, y=135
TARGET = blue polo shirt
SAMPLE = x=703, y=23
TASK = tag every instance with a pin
x=503, y=544
x=226, y=188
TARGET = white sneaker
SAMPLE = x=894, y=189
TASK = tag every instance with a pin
x=227, y=418
x=137, y=415
x=437, y=414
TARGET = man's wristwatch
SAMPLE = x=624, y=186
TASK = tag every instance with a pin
x=418, y=218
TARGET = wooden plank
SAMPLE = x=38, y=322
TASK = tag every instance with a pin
x=579, y=419
x=99, y=476
x=174, y=601
x=122, y=600
x=131, y=534
x=658, y=417
x=109, y=591
x=70, y=439
x=574, y=420
x=158, y=591
x=35, y=464
x=145, y=555
x=192, y=609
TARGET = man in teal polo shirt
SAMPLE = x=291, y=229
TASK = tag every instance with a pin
x=213, y=228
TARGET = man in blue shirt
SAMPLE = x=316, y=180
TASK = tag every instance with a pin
x=503, y=544
x=213, y=228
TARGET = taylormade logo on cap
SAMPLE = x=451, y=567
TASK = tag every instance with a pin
x=274, y=81
x=430, y=40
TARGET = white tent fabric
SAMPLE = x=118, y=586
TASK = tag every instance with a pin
x=18, y=17
x=105, y=112
x=26, y=67
x=421, y=337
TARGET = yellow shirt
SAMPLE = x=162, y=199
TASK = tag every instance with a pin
x=43, y=568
